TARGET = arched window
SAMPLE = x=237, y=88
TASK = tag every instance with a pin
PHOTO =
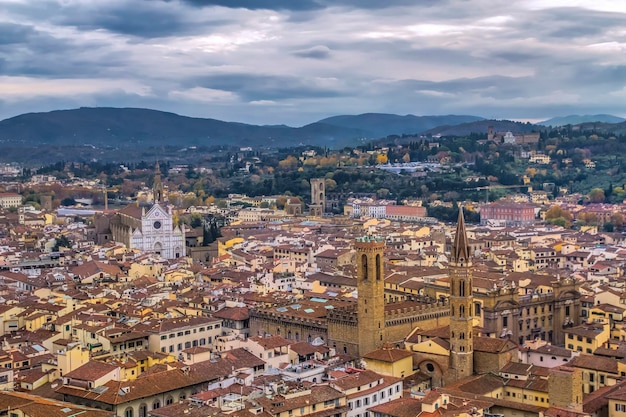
x=462, y=288
x=169, y=400
x=364, y=265
x=452, y=311
x=128, y=412
x=143, y=410
x=156, y=404
x=462, y=336
x=378, y=268
x=462, y=311
x=297, y=337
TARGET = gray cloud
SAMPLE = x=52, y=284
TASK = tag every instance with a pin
x=315, y=52
x=287, y=61
x=305, y=5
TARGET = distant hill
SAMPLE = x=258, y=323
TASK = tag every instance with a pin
x=576, y=119
x=133, y=127
x=377, y=125
x=601, y=128
x=482, y=126
x=129, y=127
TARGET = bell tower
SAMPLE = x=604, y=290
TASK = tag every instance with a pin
x=461, y=306
x=157, y=187
x=371, y=289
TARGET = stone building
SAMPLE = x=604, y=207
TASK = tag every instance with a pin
x=543, y=312
x=461, y=306
x=353, y=327
x=147, y=228
x=318, y=197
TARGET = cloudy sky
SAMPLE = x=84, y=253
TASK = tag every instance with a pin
x=296, y=61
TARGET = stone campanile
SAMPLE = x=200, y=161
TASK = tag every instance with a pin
x=371, y=288
x=318, y=196
x=461, y=306
x=157, y=187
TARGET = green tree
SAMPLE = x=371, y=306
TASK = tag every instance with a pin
x=61, y=242
x=557, y=216
x=69, y=201
x=597, y=195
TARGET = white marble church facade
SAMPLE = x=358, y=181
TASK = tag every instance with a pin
x=158, y=234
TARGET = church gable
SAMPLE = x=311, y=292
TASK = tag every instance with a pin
x=156, y=212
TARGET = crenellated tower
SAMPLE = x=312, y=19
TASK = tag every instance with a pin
x=371, y=288
x=461, y=306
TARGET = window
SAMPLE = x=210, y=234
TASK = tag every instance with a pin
x=163, y=337
x=591, y=377
x=620, y=407
x=128, y=412
x=156, y=404
x=179, y=334
x=505, y=321
x=187, y=332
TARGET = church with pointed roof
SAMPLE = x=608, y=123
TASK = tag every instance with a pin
x=148, y=228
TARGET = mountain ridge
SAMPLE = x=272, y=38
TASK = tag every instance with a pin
x=575, y=119
x=125, y=127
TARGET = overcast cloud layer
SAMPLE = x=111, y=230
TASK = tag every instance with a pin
x=296, y=61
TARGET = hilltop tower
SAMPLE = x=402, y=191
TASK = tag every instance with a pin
x=157, y=187
x=318, y=196
x=371, y=288
x=461, y=306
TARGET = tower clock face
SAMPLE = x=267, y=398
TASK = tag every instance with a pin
x=157, y=224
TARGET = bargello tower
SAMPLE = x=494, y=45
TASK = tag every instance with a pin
x=371, y=289
x=461, y=306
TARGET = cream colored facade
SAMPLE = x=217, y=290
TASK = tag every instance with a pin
x=8, y=200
